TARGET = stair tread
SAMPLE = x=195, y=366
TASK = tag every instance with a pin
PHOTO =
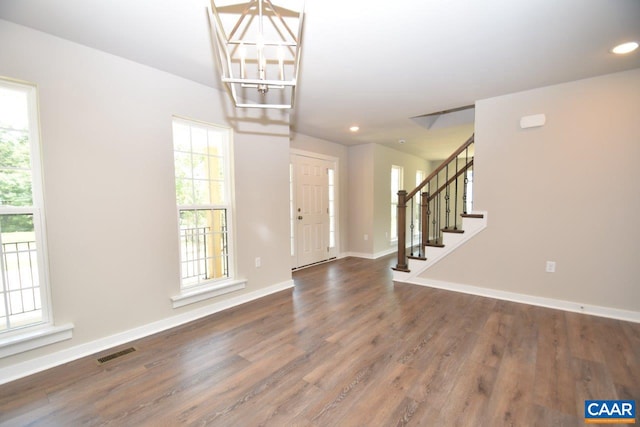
x=435, y=245
x=452, y=230
x=472, y=215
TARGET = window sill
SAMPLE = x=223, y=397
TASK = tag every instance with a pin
x=33, y=338
x=202, y=293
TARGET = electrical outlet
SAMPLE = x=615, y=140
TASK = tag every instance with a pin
x=550, y=267
x=258, y=262
x=366, y=237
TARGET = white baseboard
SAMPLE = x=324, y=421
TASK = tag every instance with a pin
x=369, y=256
x=359, y=255
x=385, y=252
x=38, y=364
x=576, y=307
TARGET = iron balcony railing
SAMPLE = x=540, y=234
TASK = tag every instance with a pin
x=20, y=291
x=197, y=256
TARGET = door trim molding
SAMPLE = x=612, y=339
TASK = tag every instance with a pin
x=336, y=162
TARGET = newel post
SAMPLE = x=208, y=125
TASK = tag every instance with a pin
x=424, y=218
x=402, y=229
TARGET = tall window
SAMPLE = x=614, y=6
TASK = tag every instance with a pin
x=292, y=212
x=201, y=159
x=331, y=176
x=469, y=202
x=23, y=286
x=420, y=176
x=396, y=185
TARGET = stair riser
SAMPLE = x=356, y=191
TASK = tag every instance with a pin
x=452, y=241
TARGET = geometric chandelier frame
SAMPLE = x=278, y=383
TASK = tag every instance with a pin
x=257, y=48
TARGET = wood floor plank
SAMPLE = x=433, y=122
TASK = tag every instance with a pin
x=512, y=405
x=583, y=339
x=347, y=347
x=494, y=336
x=554, y=382
x=439, y=370
x=618, y=351
x=470, y=394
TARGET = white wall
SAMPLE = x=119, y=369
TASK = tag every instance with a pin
x=109, y=191
x=566, y=192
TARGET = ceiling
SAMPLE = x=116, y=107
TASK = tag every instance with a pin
x=372, y=63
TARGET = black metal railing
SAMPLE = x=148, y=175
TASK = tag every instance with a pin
x=438, y=199
x=21, y=291
x=201, y=251
x=193, y=242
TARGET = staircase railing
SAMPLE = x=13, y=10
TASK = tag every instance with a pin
x=440, y=194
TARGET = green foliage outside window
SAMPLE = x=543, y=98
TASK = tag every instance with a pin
x=15, y=178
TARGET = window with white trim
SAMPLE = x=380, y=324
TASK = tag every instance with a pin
x=396, y=185
x=203, y=190
x=292, y=217
x=23, y=280
x=420, y=176
x=469, y=202
x=331, y=190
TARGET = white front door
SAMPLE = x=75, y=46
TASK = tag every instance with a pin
x=311, y=210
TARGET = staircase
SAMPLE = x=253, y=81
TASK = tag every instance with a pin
x=436, y=217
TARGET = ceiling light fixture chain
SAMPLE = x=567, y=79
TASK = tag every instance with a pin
x=257, y=48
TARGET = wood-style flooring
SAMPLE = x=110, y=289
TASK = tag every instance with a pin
x=347, y=347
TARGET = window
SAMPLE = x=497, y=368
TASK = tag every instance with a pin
x=23, y=286
x=469, y=191
x=420, y=176
x=331, y=176
x=292, y=212
x=396, y=185
x=201, y=160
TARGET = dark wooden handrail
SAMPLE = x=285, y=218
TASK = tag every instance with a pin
x=441, y=167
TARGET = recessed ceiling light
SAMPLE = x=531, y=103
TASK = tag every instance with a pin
x=624, y=48
x=354, y=128
x=401, y=141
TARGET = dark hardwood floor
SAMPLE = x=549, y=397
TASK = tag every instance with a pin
x=347, y=347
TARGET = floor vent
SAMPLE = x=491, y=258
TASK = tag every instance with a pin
x=115, y=355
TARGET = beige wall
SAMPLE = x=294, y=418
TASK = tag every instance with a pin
x=361, y=198
x=384, y=158
x=109, y=191
x=370, y=195
x=365, y=190
x=566, y=192
x=328, y=148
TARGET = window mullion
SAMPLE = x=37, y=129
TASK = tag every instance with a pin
x=5, y=284
x=23, y=260
x=202, y=240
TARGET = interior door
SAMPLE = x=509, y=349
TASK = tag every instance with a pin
x=311, y=210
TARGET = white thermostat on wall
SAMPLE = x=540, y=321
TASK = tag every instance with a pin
x=533, y=121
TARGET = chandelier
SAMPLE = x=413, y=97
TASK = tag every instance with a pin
x=257, y=50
